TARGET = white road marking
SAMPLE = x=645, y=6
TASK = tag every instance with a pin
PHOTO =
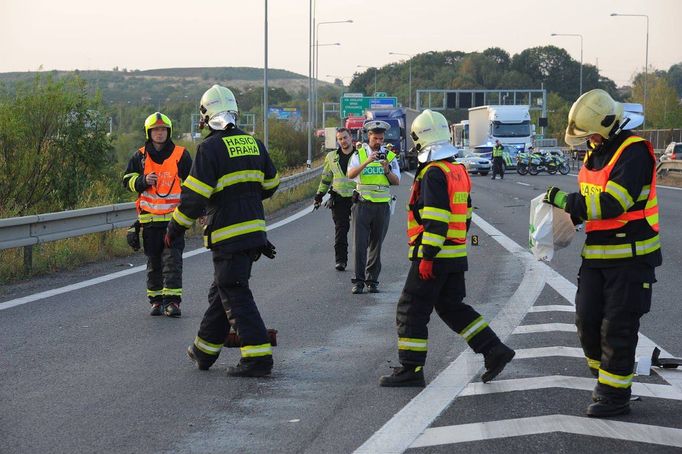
x=522, y=183
x=545, y=328
x=643, y=433
x=109, y=277
x=553, y=308
x=562, y=381
x=542, y=352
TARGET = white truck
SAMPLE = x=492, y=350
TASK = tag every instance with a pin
x=508, y=124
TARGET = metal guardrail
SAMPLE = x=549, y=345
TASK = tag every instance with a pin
x=26, y=231
x=664, y=167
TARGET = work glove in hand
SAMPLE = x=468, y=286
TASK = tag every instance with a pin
x=268, y=250
x=556, y=197
x=426, y=270
x=173, y=232
x=318, y=200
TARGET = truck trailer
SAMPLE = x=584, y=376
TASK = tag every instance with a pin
x=508, y=124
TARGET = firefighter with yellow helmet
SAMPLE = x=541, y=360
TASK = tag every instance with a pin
x=155, y=172
x=617, y=202
x=231, y=175
x=437, y=223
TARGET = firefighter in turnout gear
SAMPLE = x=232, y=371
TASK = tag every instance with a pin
x=617, y=203
x=155, y=172
x=438, y=220
x=374, y=169
x=340, y=193
x=231, y=175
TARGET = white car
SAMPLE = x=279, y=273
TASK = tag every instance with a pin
x=474, y=164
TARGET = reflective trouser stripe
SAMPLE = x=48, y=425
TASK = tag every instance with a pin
x=207, y=347
x=172, y=291
x=615, y=381
x=412, y=344
x=251, y=351
x=152, y=293
x=593, y=363
x=473, y=328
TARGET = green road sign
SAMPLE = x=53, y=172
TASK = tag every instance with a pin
x=355, y=104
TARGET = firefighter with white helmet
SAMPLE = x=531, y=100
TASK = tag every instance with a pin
x=437, y=223
x=231, y=175
x=617, y=203
x=155, y=172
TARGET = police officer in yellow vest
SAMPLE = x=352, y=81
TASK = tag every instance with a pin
x=617, y=203
x=231, y=175
x=498, y=160
x=438, y=220
x=155, y=172
x=374, y=169
x=340, y=189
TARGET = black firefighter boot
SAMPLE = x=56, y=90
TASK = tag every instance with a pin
x=404, y=376
x=201, y=359
x=605, y=407
x=495, y=360
x=252, y=367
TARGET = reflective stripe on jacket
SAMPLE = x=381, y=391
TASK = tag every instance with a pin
x=645, y=207
x=453, y=243
x=157, y=202
x=374, y=184
x=334, y=175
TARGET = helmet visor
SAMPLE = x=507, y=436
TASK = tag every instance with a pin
x=575, y=136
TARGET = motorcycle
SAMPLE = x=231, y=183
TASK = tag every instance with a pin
x=543, y=162
x=522, y=162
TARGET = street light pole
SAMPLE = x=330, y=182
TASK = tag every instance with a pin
x=316, y=56
x=646, y=58
x=410, y=77
x=265, y=82
x=310, y=84
x=581, y=55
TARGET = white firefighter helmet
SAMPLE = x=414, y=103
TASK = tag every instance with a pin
x=431, y=135
x=218, y=107
x=595, y=112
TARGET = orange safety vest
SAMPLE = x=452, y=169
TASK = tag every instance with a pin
x=595, y=181
x=165, y=195
x=459, y=187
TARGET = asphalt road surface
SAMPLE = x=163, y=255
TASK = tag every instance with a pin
x=85, y=369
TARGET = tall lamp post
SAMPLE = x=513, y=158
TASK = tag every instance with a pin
x=646, y=57
x=410, y=77
x=317, y=54
x=581, y=55
x=375, y=74
x=265, y=82
x=315, y=79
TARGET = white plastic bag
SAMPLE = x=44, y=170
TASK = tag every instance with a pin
x=550, y=229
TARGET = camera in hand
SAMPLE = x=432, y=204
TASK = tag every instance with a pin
x=381, y=155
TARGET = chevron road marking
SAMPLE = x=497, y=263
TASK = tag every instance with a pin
x=562, y=381
x=545, y=328
x=617, y=430
x=543, y=352
x=553, y=308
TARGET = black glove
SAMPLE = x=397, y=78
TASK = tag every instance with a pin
x=173, y=232
x=318, y=200
x=268, y=250
x=133, y=236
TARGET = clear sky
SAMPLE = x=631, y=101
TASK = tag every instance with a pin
x=92, y=34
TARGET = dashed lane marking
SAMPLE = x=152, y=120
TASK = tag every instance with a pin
x=618, y=430
x=522, y=183
x=562, y=381
x=545, y=328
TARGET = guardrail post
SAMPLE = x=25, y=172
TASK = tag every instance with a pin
x=28, y=259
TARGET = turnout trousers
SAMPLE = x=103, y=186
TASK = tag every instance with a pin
x=445, y=294
x=370, y=224
x=609, y=304
x=230, y=300
x=164, y=265
x=341, y=217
